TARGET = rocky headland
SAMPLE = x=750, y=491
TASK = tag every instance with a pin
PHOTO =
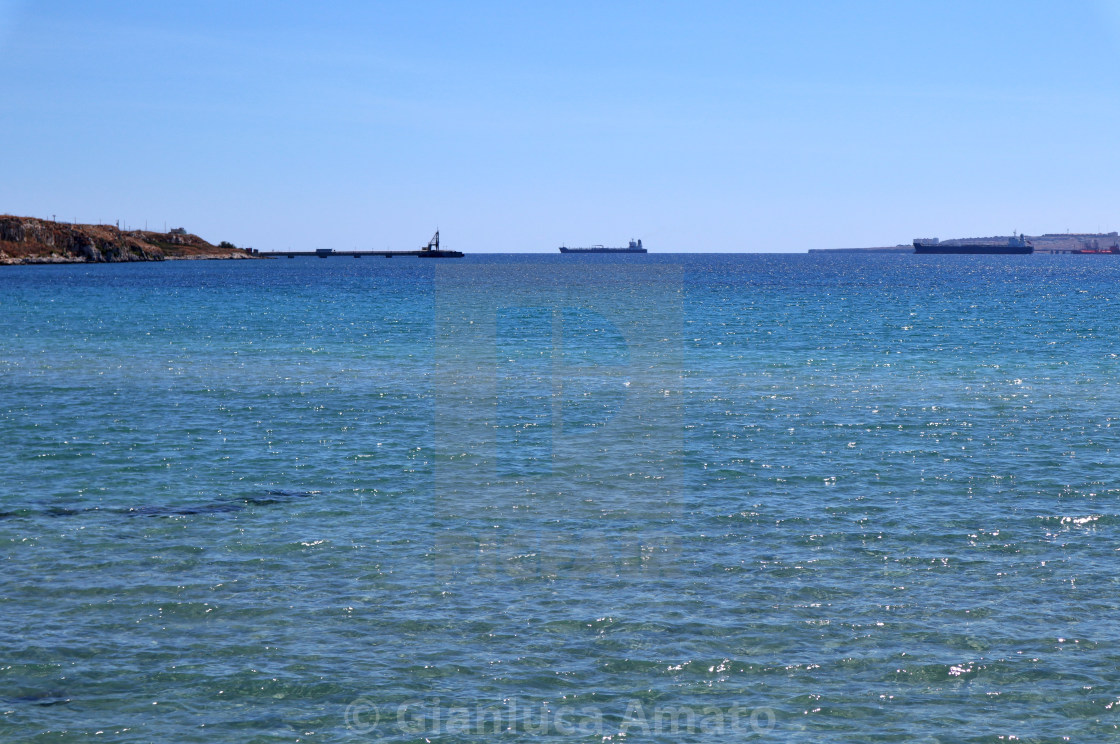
x=1100, y=242
x=30, y=240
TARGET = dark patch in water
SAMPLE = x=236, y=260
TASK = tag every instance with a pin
x=273, y=496
x=66, y=511
x=183, y=511
x=278, y=496
x=43, y=699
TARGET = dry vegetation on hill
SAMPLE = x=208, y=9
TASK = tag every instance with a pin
x=33, y=240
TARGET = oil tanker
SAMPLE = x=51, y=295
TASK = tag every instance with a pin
x=634, y=247
x=1016, y=244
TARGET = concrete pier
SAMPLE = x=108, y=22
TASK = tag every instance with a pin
x=331, y=253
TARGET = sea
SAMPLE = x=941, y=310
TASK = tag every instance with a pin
x=665, y=498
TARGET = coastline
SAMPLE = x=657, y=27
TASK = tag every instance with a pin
x=39, y=260
x=31, y=240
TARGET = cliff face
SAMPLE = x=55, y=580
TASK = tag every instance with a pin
x=31, y=240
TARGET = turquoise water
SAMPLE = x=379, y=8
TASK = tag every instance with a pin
x=754, y=498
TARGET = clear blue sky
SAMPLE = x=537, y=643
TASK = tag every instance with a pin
x=518, y=126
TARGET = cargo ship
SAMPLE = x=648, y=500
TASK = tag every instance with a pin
x=1016, y=244
x=634, y=247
